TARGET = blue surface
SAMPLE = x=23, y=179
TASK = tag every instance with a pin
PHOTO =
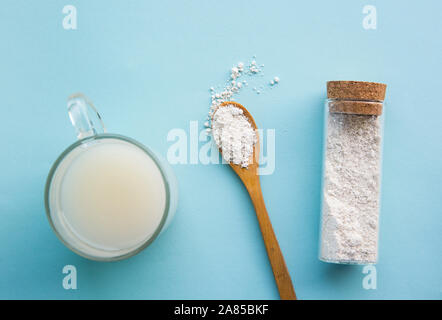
x=148, y=66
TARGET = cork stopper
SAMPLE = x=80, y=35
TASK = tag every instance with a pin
x=356, y=97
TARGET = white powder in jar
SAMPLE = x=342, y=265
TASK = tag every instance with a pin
x=234, y=135
x=351, y=189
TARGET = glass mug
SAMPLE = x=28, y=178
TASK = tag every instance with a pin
x=107, y=196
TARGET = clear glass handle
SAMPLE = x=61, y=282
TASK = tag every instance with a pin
x=84, y=116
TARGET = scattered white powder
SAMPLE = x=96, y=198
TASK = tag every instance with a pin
x=350, y=212
x=234, y=83
x=274, y=81
x=234, y=135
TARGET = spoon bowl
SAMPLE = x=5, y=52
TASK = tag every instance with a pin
x=252, y=168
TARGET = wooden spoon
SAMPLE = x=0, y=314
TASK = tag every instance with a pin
x=250, y=178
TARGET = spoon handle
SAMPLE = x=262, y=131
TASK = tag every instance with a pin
x=280, y=271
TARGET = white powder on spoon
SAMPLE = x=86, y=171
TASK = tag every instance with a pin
x=231, y=130
x=234, y=135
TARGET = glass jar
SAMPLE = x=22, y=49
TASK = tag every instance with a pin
x=351, y=177
x=107, y=196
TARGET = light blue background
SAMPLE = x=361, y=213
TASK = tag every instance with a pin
x=148, y=65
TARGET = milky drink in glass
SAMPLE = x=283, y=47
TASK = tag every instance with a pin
x=107, y=196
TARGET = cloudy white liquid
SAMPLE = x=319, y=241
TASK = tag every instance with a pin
x=112, y=195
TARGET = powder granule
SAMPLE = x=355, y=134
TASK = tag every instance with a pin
x=234, y=135
x=351, y=189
